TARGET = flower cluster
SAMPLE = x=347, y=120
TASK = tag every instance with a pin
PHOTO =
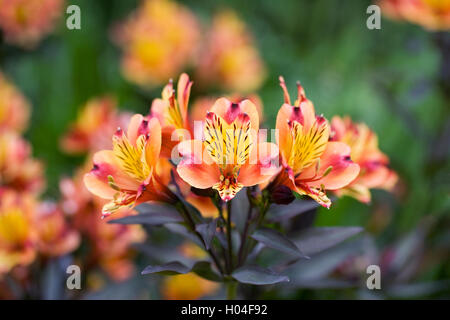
x=227, y=153
x=162, y=37
x=431, y=14
x=109, y=243
x=25, y=22
x=198, y=164
x=29, y=228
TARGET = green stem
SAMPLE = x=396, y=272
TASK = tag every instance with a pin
x=229, y=238
x=231, y=289
x=244, y=235
x=251, y=243
x=191, y=224
x=224, y=253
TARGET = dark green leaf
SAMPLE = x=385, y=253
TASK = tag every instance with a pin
x=151, y=216
x=170, y=268
x=204, y=270
x=276, y=240
x=283, y=212
x=193, y=211
x=183, y=231
x=258, y=276
x=207, y=230
x=315, y=240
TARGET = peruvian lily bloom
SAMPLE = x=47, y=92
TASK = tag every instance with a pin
x=230, y=156
x=311, y=163
x=17, y=235
x=54, y=235
x=375, y=171
x=125, y=174
x=229, y=58
x=14, y=108
x=158, y=40
x=431, y=14
x=26, y=22
x=18, y=170
x=172, y=113
x=96, y=123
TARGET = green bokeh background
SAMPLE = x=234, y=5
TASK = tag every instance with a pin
x=345, y=69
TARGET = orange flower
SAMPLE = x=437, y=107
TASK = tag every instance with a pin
x=229, y=59
x=231, y=156
x=125, y=174
x=374, y=164
x=172, y=114
x=96, y=123
x=14, y=108
x=110, y=243
x=17, y=169
x=430, y=14
x=158, y=40
x=54, y=236
x=17, y=236
x=112, y=248
x=25, y=22
x=311, y=163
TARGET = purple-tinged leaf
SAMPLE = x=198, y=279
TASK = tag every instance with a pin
x=258, y=276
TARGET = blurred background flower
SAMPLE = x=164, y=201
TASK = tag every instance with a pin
x=25, y=22
x=14, y=108
x=229, y=59
x=431, y=14
x=158, y=40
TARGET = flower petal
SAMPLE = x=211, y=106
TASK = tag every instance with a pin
x=196, y=166
x=136, y=127
x=229, y=111
x=343, y=170
x=105, y=165
x=262, y=165
x=183, y=92
x=153, y=144
x=284, y=137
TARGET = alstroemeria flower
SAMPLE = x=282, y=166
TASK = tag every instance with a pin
x=230, y=157
x=54, y=235
x=14, y=108
x=25, y=22
x=110, y=243
x=229, y=58
x=112, y=248
x=124, y=175
x=172, y=113
x=96, y=123
x=430, y=14
x=311, y=163
x=17, y=236
x=375, y=171
x=18, y=170
x=158, y=40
